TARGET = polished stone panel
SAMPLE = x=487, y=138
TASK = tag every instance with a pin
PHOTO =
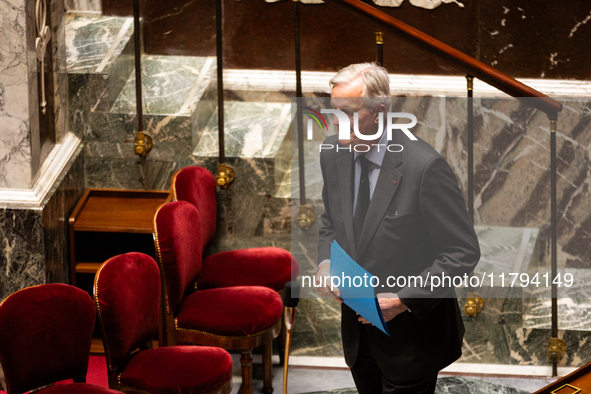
x=60, y=76
x=88, y=41
x=508, y=330
x=452, y=385
x=512, y=165
x=172, y=85
x=254, y=134
x=317, y=332
x=34, y=242
x=289, y=185
x=573, y=312
x=535, y=40
x=251, y=130
x=22, y=261
x=17, y=107
x=82, y=5
x=100, y=61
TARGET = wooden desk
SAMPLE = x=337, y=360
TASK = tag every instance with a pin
x=109, y=222
x=577, y=382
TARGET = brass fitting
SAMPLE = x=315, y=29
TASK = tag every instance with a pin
x=553, y=125
x=470, y=82
x=225, y=175
x=556, y=349
x=379, y=37
x=305, y=217
x=473, y=305
x=143, y=144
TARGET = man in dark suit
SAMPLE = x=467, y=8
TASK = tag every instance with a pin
x=397, y=213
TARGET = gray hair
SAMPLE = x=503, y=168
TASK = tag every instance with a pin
x=376, y=88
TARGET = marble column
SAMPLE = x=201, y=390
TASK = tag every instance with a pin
x=37, y=191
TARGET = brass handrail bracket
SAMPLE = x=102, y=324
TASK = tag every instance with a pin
x=225, y=175
x=474, y=304
x=143, y=144
x=556, y=349
x=306, y=217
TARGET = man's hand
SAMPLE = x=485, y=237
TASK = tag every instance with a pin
x=390, y=305
x=323, y=279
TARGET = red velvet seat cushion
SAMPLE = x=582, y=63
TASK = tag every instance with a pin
x=178, y=370
x=177, y=232
x=231, y=311
x=127, y=294
x=271, y=267
x=45, y=335
x=77, y=388
x=196, y=185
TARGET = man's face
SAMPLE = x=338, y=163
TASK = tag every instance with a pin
x=348, y=99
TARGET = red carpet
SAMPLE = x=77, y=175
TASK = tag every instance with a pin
x=97, y=372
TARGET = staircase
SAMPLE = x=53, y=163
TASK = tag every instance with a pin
x=180, y=113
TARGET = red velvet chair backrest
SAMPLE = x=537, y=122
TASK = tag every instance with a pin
x=45, y=335
x=197, y=186
x=127, y=298
x=177, y=236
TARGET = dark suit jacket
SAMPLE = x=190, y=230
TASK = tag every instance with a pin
x=417, y=224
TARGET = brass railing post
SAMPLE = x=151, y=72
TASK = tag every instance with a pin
x=474, y=302
x=470, y=147
x=225, y=174
x=380, y=45
x=306, y=214
x=556, y=347
x=143, y=142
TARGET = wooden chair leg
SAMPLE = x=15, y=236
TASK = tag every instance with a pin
x=268, y=367
x=113, y=380
x=246, y=362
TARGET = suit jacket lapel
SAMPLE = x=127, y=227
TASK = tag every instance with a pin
x=345, y=166
x=386, y=186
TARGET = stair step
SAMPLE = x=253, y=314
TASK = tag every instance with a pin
x=257, y=141
x=289, y=184
x=93, y=45
x=171, y=85
x=251, y=130
x=99, y=62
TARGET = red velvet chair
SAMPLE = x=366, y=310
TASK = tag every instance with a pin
x=232, y=318
x=268, y=266
x=45, y=335
x=127, y=298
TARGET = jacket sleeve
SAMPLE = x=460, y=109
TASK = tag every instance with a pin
x=443, y=211
x=327, y=231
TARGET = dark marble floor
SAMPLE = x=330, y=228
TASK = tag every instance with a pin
x=304, y=380
x=452, y=385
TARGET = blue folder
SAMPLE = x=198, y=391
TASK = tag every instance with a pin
x=361, y=298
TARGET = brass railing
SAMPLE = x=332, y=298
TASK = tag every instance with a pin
x=468, y=64
x=473, y=68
